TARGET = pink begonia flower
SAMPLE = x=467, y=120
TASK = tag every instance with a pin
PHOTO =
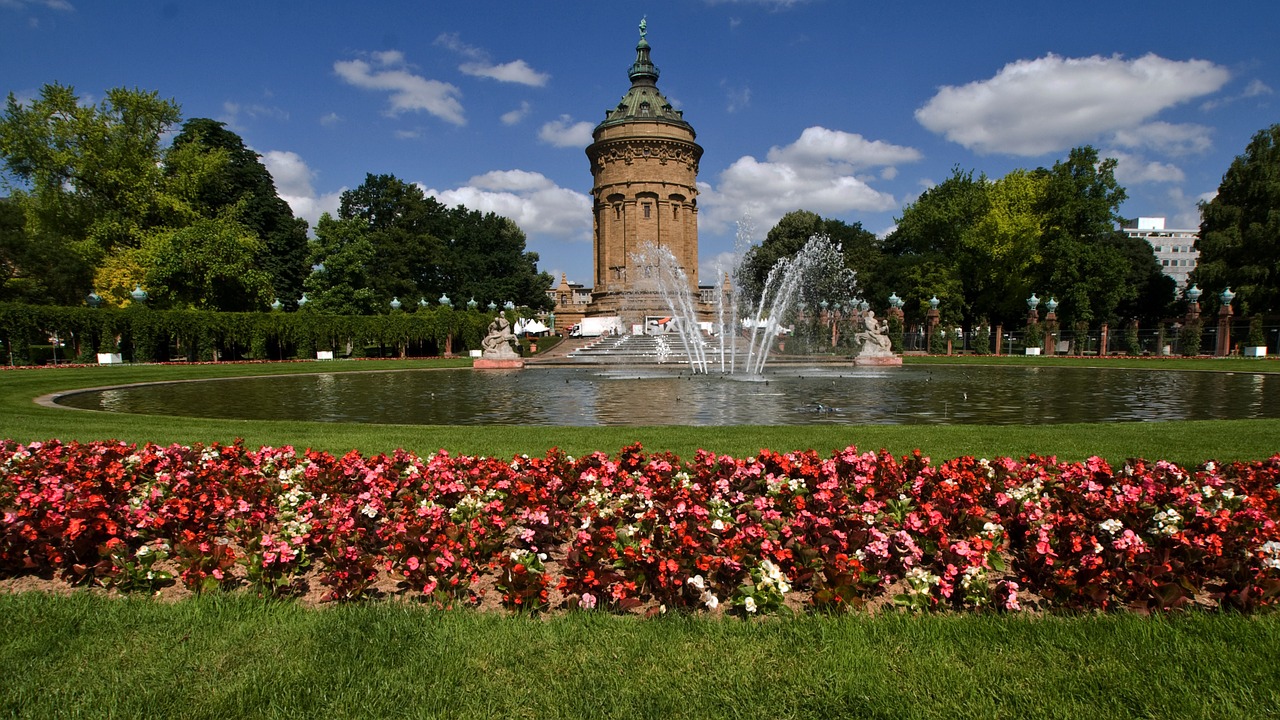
x=587, y=601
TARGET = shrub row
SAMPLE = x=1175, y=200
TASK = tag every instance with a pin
x=622, y=533
x=145, y=335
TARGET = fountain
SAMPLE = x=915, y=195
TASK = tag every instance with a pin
x=817, y=270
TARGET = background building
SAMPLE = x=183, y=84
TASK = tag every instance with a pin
x=1175, y=249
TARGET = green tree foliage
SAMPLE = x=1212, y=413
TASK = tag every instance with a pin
x=1240, y=229
x=1083, y=266
x=1003, y=247
x=229, y=175
x=422, y=250
x=861, y=250
x=931, y=251
x=343, y=268
x=399, y=221
x=89, y=178
x=211, y=264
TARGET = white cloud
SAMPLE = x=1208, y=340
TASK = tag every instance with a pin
x=516, y=71
x=331, y=119
x=1166, y=138
x=1136, y=170
x=293, y=184
x=816, y=173
x=387, y=71
x=564, y=132
x=233, y=111
x=1034, y=107
x=513, y=117
x=531, y=200
x=479, y=65
x=62, y=5
x=1256, y=88
x=736, y=98
x=818, y=145
x=711, y=269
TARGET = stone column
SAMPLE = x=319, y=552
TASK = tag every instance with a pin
x=930, y=324
x=1224, y=331
x=999, y=337
x=1102, y=340
x=1050, y=331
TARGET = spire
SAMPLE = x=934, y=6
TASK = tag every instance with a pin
x=643, y=71
x=643, y=101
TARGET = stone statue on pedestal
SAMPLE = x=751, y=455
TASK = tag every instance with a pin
x=500, y=343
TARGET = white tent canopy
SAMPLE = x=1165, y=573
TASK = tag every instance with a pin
x=530, y=326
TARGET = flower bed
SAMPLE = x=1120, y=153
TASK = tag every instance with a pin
x=637, y=532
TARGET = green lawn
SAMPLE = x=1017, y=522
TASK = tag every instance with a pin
x=220, y=656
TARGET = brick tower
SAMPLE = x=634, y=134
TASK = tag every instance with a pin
x=644, y=163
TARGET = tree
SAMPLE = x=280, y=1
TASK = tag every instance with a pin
x=211, y=264
x=398, y=220
x=88, y=178
x=487, y=260
x=1004, y=247
x=860, y=248
x=1239, y=240
x=422, y=249
x=233, y=176
x=931, y=247
x=343, y=265
x=1080, y=209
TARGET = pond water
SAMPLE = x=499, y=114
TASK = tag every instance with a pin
x=564, y=396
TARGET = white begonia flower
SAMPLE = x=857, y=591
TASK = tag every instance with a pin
x=749, y=604
x=697, y=582
x=710, y=600
x=1111, y=526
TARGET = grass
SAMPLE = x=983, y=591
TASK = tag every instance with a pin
x=1187, y=442
x=232, y=656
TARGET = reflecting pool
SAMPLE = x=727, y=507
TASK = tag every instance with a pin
x=560, y=396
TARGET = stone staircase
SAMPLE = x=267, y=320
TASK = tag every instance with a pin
x=631, y=349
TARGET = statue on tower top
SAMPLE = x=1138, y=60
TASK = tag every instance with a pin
x=644, y=26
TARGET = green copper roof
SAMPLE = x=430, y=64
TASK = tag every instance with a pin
x=643, y=102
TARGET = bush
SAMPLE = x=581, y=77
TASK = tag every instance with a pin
x=1256, y=336
x=1189, y=338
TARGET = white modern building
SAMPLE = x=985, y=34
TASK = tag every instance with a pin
x=1175, y=249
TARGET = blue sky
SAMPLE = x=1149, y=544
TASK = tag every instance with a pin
x=847, y=109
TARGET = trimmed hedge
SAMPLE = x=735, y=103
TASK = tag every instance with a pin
x=144, y=335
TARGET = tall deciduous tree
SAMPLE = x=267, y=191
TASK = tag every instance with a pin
x=399, y=221
x=211, y=264
x=236, y=178
x=88, y=178
x=1083, y=266
x=421, y=249
x=342, y=268
x=932, y=234
x=1240, y=228
x=860, y=248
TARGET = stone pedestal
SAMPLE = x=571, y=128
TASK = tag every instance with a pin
x=484, y=363
x=1051, y=334
x=878, y=361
